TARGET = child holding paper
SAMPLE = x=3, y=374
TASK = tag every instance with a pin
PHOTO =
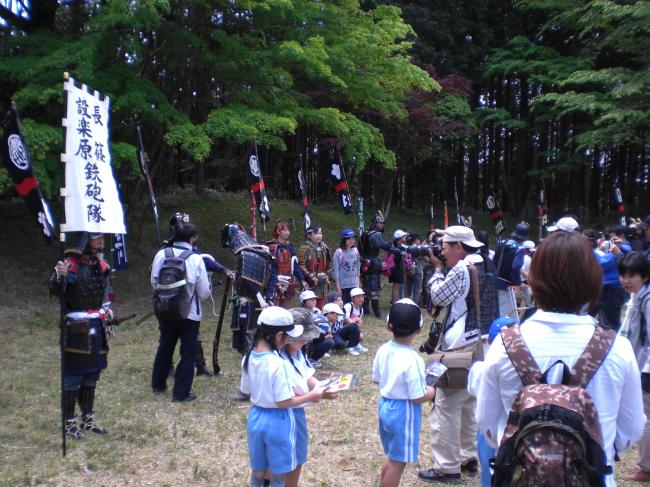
x=399, y=371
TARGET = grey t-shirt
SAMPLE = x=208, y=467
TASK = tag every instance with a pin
x=346, y=267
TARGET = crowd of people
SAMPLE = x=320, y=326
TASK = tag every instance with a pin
x=514, y=332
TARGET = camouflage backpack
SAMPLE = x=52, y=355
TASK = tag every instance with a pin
x=553, y=435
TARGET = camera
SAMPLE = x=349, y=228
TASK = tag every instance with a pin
x=422, y=250
x=430, y=345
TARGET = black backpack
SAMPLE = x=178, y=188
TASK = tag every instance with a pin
x=171, y=301
x=503, y=258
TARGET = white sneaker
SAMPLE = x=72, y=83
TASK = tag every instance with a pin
x=326, y=355
x=353, y=351
x=360, y=348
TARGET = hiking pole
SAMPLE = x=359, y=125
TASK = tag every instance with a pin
x=217, y=333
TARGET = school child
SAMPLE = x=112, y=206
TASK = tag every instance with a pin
x=399, y=371
x=271, y=421
x=303, y=378
x=485, y=451
x=344, y=336
x=308, y=300
x=346, y=264
x=353, y=314
x=323, y=344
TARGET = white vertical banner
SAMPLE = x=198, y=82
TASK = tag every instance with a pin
x=92, y=202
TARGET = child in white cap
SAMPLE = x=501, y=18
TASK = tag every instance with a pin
x=353, y=314
x=399, y=371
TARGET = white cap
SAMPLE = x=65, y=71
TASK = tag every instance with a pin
x=308, y=294
x=566, y=224
x=399, y=234
x=458, y=233
x=332, y=308
x=356, y=291
x=281, y=319
x=529, y=245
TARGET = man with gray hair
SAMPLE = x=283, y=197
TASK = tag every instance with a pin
x=453, y=420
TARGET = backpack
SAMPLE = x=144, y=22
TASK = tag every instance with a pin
x=388, y=264
x=503, y=257
x=171, y=301
x=553, y=435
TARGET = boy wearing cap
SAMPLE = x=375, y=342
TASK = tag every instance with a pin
x=399, y=371
x=344, y=336
x=353, y=314
x=308, y=300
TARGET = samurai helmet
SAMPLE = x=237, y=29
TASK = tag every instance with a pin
x=76, y=243
x=378, y=218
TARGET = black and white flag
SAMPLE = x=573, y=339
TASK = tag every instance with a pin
x=257, y=186
x=337, y=176
x=495, y=213
x=305, y=199
x=15, y=154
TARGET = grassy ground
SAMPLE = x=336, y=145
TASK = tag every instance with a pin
x=153, y=442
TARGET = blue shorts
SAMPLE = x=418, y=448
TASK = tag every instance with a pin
x=272, y=434
x=399, y=429
x=302, y=437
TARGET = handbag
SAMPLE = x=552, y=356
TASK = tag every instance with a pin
x=459, y=360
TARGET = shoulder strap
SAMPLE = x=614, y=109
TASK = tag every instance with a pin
x=169, y=253
x=185, y=255
x=589, y=362
x=643, y=334
x=477, y=297
x=520, y=356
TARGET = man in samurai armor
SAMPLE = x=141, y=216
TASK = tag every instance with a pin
x=82, y=279
x=211, y=265
x=372, y=242
x=284, y=266
x=253, y=283
x=315, y=261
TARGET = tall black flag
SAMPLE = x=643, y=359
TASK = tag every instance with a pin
x=13, y=150
x=337, y=175
x=618, y=202
x=257, y=186
x=495, y=213
x=305, y=199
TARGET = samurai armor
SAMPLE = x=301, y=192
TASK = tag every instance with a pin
x=252, y=273
x=86, y=288
x=85, y=346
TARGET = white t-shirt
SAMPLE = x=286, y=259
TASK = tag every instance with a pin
x=399, y=372
x=350, y=311
x=615, y=388
x=301, y=373
x=267, y=379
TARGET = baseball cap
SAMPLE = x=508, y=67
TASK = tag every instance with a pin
x=276, y=319
x=458, y=233
x=529, y=245
x=497, y=324
x=399, y=234
x=404, y=317
x=308, y=294
x=521, y=231
x=356, y=291
x=303, y=318
x=332, y=308
x=566, y=224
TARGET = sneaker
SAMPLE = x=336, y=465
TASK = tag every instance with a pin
x=433, y=475
x=240, y=396
x=360, y=348
x=637, y=475
x=353, y=351
x=326, y=355
x=470, y=468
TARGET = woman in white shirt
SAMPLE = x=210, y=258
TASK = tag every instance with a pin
x=566, y=280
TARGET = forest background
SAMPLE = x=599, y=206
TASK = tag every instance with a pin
x=492, y=94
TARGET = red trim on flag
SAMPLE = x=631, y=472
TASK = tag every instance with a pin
x=342, y=186
x=258, y=186
x=26, y=186
x=305, y=201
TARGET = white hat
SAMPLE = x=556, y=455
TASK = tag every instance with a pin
x=566, y=224
x=279, y=319
x=399, y=234
x=458, y=233
x=308, y=294
x=332, y=308
x=356, y=291
x=529, y=245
